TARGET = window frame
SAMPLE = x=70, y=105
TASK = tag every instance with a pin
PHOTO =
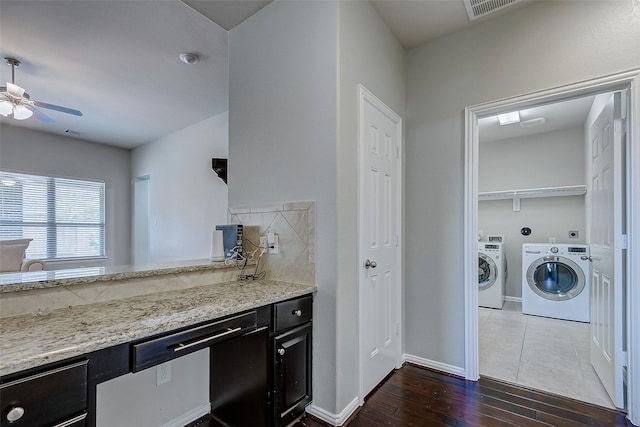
x=52, y=226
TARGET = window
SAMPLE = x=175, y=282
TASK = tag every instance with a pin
x=64, y=217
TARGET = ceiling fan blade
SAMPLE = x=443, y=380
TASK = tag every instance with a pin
x=41, y=116
x=15, y=90
x=57, y=108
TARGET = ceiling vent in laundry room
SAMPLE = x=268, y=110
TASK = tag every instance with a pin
x=479, y=8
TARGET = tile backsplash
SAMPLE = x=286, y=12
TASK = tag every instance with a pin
x=295, y=225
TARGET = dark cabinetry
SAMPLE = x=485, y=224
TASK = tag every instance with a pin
x=292, y=359
x=56, y=396
x=260, y=371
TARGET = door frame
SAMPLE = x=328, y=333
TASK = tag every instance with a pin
x=364, y=95
x=625, y=80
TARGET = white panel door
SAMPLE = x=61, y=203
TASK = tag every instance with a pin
x=606, y=246
x=379, y=198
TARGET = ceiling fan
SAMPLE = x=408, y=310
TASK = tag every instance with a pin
x=14, y=100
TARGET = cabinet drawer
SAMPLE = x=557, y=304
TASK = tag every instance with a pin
x=292, y=313
x=50, y=398
x=153, y=352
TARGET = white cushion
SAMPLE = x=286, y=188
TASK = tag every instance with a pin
x=11, y=257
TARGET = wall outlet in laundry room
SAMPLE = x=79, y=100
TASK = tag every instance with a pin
x=574, y=234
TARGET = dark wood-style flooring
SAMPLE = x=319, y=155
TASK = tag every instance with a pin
x=416, y=396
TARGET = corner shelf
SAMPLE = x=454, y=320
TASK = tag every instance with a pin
x=516, y=195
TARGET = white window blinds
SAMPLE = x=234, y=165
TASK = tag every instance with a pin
x=64, y=217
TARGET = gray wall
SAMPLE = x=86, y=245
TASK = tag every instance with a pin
x=548, y=44
x=282, y=140
x=30, y=151
x=369, y=55
x=187, y=199
x=551, y=159
x=294, y=68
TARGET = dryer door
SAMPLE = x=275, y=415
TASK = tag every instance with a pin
x=555, y=278
x=486, y=272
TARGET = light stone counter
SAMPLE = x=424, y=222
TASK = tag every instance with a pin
x=30, y=340
x=12, y=282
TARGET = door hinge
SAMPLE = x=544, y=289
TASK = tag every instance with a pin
x=623, y=241
x=623, y=104
x=622, y=359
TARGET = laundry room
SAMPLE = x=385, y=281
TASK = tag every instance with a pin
x=536, y=217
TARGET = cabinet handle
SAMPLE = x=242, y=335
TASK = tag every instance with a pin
x=213, y=337
x=15, y=414
x=281, y=351
x=297, y=312
x=72, y=421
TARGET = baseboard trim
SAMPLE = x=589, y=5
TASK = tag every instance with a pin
x=189, y=416
x=512, y=299
x=433, y=364
x=331, y=418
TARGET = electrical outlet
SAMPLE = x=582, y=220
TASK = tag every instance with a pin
x=574, y=234
x=163, y=373
x=275, y=250
x=263, y=241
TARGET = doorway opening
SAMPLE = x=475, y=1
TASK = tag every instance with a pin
x=574, y=235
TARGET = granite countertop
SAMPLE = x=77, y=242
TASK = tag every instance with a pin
x=32, y=340
x=24, y=281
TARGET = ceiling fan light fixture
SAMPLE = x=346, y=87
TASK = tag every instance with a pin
x=6, y=108
x=20, y=112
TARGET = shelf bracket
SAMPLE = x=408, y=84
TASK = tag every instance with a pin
x=516, y=203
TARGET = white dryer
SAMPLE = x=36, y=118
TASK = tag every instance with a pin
x=556, y=281
x=491, y=274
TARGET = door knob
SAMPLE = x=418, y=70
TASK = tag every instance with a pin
x=15, y=414
x=370, y=264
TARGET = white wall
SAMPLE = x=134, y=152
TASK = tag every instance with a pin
x=187, y=199
x=134, y=400
x=545, y=160
x=30, y=151
x=542, y=45
x=294, y=67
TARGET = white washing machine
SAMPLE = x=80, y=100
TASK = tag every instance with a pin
x=491, y=274
x=556, y=281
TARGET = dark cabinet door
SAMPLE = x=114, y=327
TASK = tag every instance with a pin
x=292, y=355
x=239, y=380
x=46, y=398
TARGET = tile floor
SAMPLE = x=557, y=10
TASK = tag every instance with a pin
x=538, y=352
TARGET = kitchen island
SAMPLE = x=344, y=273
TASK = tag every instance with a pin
x=106, y=339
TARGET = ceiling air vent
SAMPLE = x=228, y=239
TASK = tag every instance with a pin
x=479, y=8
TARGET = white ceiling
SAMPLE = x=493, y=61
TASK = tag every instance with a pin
x=117, y=61
x=559, y=115
x=415, y=22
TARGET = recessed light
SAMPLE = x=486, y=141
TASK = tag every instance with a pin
x=509, y=118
